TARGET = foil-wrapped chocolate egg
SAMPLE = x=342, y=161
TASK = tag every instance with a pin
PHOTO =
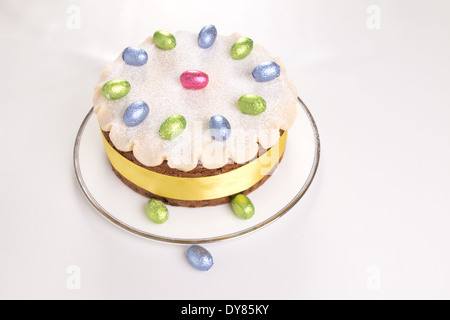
x=134, y=56
x=194, y=79
x=116, y=89
x=136, y=113
x=164, y=40
x=251, y=104
x=242, y=206
x=219, y=127
x=200, y=258
x=241, y=48
x=207, y=36
x=266, y=71
x=172, y=127
x=156, y=211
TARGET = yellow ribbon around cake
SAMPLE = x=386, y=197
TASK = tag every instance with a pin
x=201, y=188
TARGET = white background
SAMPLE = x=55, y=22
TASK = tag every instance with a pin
x=375, y=224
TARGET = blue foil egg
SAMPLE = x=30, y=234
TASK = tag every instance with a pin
x=219, y=127
x=200, y=258
x=266, y=71
x=135, y=56
x=135, y=113
x=207, y=36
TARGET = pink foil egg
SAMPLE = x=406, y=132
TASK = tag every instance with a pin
x=194, y=79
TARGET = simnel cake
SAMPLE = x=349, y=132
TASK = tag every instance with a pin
x=192, y=119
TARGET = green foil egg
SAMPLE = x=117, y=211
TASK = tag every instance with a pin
x=242, y=206
x=116, y=89
x=241, y=48
x=251, y=104
x=172, y=127
x=156, y=211
x=164, y=40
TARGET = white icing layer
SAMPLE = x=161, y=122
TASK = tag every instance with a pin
x=158, y=84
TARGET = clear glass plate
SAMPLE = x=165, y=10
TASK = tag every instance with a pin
x=126, y=208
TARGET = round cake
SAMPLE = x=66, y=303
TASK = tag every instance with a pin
x=192, y=119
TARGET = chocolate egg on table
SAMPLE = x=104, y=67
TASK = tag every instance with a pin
x=164, y=40
x=241, y=48
x=219, y=127
x=266, y=71
x=242, y=206
x=156, y=211
x=207, y=36
x=116, y=89
x=251, y=104
x=135, y=56
x=194, y=79
x=172, y=127
x=200, y=258
x=135, y=113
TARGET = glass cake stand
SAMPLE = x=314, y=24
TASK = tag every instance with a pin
x=126, y=208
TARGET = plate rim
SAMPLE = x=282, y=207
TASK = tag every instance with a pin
x=260, y=225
